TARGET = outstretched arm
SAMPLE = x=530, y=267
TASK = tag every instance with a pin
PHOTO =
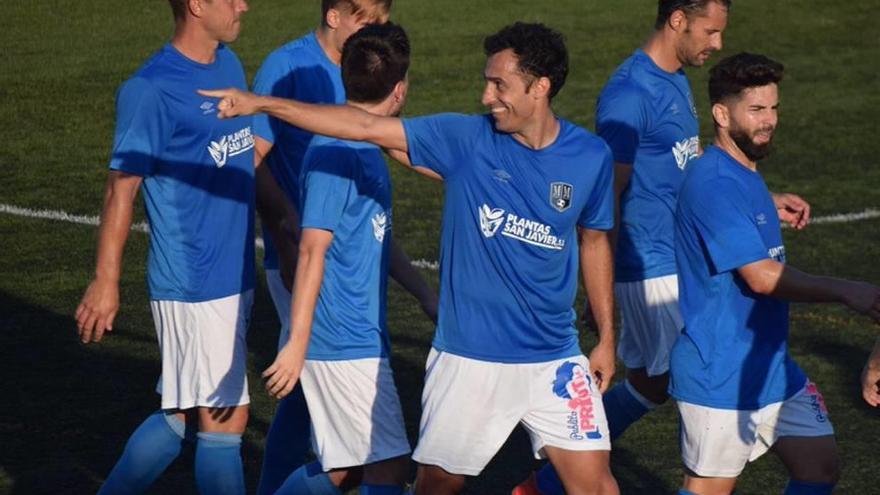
x=598, y=277
x=100, y=303
x=281, y=376
x=402, y=271
x=771, y=278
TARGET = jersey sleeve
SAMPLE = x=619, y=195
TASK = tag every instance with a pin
x=441, y=142
x=621, y=120
x=328, y=184
x=143, y=128
x=598, y=213
x=724, y=222
x=273, y=79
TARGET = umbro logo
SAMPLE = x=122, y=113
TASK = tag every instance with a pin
x=207, y=107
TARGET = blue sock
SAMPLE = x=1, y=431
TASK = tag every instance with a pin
x=309, y=480
x=623, y=407
x=218, y=464
x=150, y=449
x=548, y=481
x=685, y=492
x=287, y=443
x=381, y=490
x=796, y=487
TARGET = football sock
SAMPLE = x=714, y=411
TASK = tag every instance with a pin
x=380, y=490
x=149, y=450
x=796, y=487
x=309, y=480
x=624, y=405
x=548, y=481
x=287, y=443
x=685, y=492
x=218, y=464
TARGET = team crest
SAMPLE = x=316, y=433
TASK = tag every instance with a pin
x=560, y=196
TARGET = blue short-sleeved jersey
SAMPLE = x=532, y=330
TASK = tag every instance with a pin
x=198, y=175
x=648, y=118
x=299, y=70
x=509, y=254
x=733, y=353
x=346, y=189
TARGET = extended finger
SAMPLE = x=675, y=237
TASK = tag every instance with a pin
x=278, y=386
x=213, y=93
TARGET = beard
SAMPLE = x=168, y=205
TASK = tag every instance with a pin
x=747, y=145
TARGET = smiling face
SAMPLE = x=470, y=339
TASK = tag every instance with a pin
x=511, y=95
x=222, y=18
x=700, y=34
x=752, y=119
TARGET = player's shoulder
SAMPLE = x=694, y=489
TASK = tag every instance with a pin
x=709, y=175
x=574, y=135
x=303, y=50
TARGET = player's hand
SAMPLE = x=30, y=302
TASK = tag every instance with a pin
x=864, y=298
x=792, y=209
x=283, y=374
x=603, y=364
x=233, y=102
x=871, y=384
x=97, y=310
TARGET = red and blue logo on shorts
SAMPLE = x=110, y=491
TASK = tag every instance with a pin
x=817, y=402
x=574, y=383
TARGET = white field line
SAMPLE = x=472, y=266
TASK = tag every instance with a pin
x=63, y=216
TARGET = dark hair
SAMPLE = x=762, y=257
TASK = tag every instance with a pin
x=665, y=9
x=178, y=7
x=541, y=51
x=355, y=7
x=374, y=59
x=742, y=71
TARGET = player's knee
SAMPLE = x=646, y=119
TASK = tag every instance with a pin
x=223, y=419
x=829, y=468
x=387, y=472
x=434, y=480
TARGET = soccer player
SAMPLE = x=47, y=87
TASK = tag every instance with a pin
x=306, y=69
x=522, y=187
x=338, y=343
x=738, y=390
x=871, y=377
x=197, y=176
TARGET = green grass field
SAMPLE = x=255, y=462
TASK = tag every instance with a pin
x=68, y=410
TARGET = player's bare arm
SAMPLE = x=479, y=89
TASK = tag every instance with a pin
x=282, y=375
x=100, y=303
x=276, y=213
x=871, y=377
x=769, y=277
x=598, y=276
x=402, y=271
x=792, y=209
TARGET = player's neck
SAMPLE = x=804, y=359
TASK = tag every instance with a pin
x=326, y=40
x=382, y=108
x=540, y=132
x=726, y=143
x=660, y=47
x=194, y=43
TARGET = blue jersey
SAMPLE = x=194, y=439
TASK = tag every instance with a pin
x=509, y=252
x=733, y=353
x=198, y=175
x=346, y=189
x=648, y=118
x=299, y=70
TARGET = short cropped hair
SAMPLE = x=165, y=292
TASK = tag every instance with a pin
x=354, y=7
x=665, y=9
x=374, y=60
x=742, y=71
x=179, y=7
x=541, y=51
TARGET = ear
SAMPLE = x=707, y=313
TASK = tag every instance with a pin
x=541, y=87
x=400, y=89
x=195, y=7
x=332, y=18
x=721, y=115
x=678, y=21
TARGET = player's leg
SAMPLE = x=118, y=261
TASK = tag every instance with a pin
x=583, y=472
x=214, y=378
x=386, y=477
x=287, y=443
x=149, y=451
x=803, y=438
x=469, y=409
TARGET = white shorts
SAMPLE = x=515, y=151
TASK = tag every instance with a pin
x=281, y=298
x=718, y=443
x=204, y=351
x=355, y=410
x=470, y=407
x=651, y=322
